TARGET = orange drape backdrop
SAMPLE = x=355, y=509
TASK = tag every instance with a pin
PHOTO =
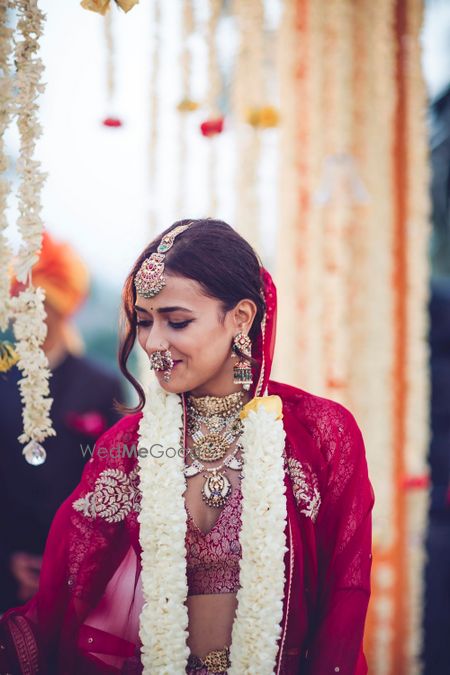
x=352, y=267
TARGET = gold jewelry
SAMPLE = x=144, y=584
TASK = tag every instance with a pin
x=160, y=360
x=210, y=447
x=223, y=428
x=216, y=661
x=217, y=405
x=242, y=370
x=150, y=278
x=216, y=488
x=221, y=411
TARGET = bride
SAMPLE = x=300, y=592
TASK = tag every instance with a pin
x=224, y=524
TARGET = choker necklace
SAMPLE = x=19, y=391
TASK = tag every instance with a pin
x=220, y=416
x=208, y=406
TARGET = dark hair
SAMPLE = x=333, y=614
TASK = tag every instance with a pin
x=211, y=253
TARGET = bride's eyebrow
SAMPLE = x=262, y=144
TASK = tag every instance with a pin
x=165, y=310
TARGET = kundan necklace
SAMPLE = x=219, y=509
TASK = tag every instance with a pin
x=220, y=416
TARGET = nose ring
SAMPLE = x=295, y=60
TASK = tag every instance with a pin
x=162, y=360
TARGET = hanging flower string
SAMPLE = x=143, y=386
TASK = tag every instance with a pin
x=154, y=137
x=248, y=96
x=6, y=34
x=110, y=121
x=28, y=308
x=213, y=125
x=30, y=331
x=186, y=105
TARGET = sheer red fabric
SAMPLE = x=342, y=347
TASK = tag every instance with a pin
x=85, y=617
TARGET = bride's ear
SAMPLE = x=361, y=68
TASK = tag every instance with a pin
x=244, y=315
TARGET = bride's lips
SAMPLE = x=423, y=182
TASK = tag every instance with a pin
x=175, y=363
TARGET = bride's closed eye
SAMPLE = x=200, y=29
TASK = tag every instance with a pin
x=177, y=325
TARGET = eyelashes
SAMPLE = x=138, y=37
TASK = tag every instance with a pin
x=175, y=325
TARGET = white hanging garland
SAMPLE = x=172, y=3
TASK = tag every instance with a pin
x=6, y=49
x=28, y=308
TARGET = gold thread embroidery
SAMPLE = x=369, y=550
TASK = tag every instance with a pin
x=25, y=644
x=115, y=495
x=306, y=488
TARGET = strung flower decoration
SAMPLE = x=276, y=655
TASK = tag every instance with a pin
x=102, y=6
x=111, y=120
x=187, y=105
x=8, y=356
x=212, y=127
x=30, y=331
x=263, y=118
x=6, y=108
x=27, y=308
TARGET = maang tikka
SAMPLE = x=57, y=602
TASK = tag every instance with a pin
x=149, y=281
x=242, y=370
x=150, y=278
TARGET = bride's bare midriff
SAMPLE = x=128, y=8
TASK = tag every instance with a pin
x=210, y=621
x=210, y=616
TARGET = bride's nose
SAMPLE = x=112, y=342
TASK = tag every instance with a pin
x=155, y=341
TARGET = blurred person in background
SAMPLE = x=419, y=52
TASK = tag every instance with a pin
x=82, y=393
x=437, y=571
x=436, y=616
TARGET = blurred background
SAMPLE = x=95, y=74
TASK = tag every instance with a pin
x=321, y=130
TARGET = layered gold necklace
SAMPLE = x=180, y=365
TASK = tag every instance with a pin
x=220, y=416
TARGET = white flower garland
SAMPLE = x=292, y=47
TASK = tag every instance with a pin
x=30, y=331
x=164, y=619
x=5, y=116
x=29, y=314
x=29, y=86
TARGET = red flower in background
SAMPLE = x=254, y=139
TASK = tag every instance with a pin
x=212, y=127
x=415, y=482
x=112, y=122
x=91, y=423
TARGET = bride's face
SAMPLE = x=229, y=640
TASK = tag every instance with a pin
x=181, y=318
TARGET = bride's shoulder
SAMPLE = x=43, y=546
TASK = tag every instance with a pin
x=329, y=423
x=125, y=430
x=117, y=446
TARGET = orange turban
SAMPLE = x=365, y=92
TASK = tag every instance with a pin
x=63, y=275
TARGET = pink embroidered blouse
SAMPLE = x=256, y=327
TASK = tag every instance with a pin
x=212, y=560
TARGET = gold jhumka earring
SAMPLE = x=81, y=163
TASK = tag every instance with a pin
x=242, y=370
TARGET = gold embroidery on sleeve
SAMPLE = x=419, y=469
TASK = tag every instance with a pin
x=306, y=488
x=115, y=495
